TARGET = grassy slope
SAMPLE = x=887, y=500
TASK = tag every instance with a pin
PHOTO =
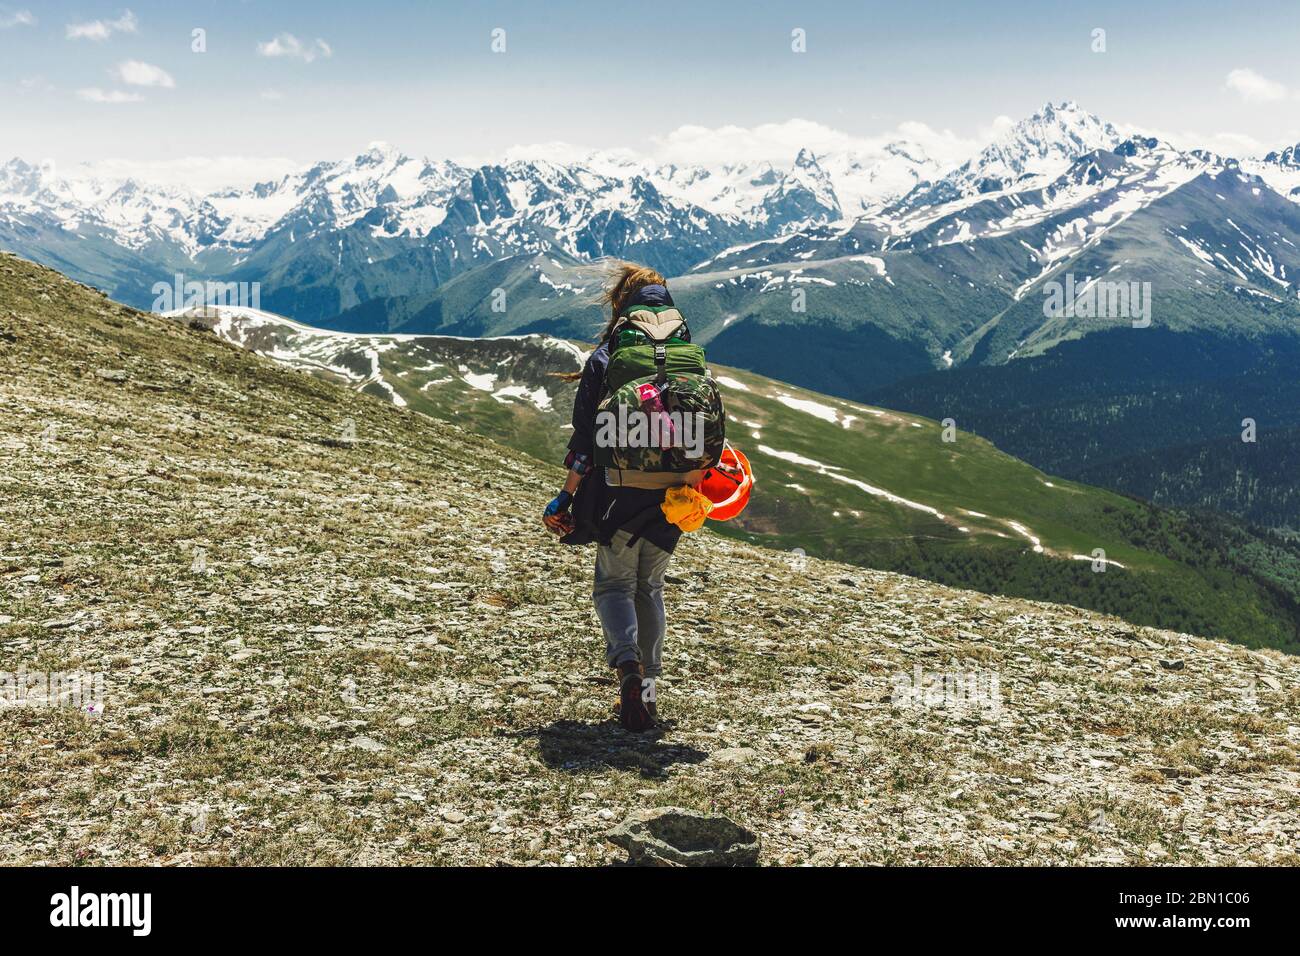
x=1171, y=575
x=1174, y=572
x=857, y=483
x=387, y=662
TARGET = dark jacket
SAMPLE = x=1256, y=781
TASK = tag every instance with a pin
x=636, y=509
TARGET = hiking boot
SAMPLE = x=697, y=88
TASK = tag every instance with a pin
x=649, y=707
x=631, y=709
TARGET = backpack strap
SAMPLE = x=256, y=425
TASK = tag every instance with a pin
x=661, y=359
x=636, y=525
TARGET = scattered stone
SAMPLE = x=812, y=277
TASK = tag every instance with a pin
x=367, y=743
x=734, y=755
x=1174, y=664
x=673, y=836
x=56, y=624
x=116, y=375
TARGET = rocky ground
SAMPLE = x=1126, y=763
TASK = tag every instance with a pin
x=332, y=631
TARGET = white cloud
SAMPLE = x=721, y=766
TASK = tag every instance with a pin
x=1000, y=126
x=137, y=73
x=1225, y=142
x=94, y=94
x=776, y=143
x=202, y=174
x=288, y=45
x=272, y=95
x=1236, y=145
x=1253, y=87
x=16, y=18
x=102, y=29
x=781, y=142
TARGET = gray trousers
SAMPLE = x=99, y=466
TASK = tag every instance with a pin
x=629, y=596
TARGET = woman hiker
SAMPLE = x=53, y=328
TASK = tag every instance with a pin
x=634, y=538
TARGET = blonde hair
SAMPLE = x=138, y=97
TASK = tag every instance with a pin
x=625, y=280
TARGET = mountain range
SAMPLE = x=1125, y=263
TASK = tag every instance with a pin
x=340, y=233
x=873, y=277
x=932, y=257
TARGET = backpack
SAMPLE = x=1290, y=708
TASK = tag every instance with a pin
x=661, y=415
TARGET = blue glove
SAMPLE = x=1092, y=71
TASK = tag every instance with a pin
x=556, y=517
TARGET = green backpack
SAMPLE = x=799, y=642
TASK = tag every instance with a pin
x=662, y=411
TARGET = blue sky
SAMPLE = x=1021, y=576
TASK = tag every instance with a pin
x=87, y=82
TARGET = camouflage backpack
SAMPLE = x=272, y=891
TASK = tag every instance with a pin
x=662, y=414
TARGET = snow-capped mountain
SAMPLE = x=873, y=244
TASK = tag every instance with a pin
x=1055, y=217
x=1280, y=169
x=1041, y=145
x=754, y=193
x=354, y=235
x=865, y=182
x=134, y=214
x=830, y=185
x=1071, y=203
x=393, y=192
x=397, y=196
x=600, y=204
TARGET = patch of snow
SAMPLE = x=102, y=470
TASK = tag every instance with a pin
x=484, y=382
x=832, y=471
x=816, y=409
x=536, y=396
x=1088, y=557
x=1022, y=530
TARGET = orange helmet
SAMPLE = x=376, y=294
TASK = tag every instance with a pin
x=728, y=484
